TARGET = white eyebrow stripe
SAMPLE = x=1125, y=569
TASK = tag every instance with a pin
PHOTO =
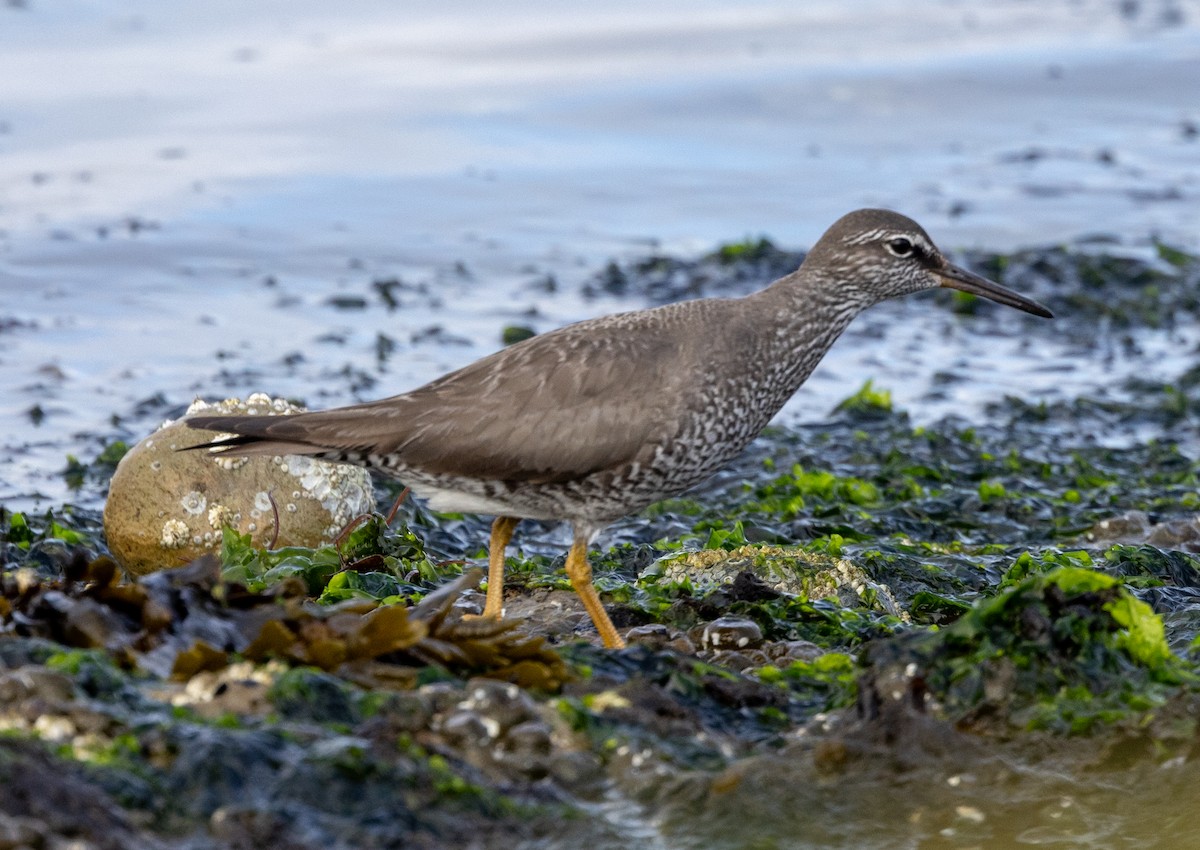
x=880, y=235
x=869, y=236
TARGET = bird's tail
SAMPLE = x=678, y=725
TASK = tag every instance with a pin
x=255, y=436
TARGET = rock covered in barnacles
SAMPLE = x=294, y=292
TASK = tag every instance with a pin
x=167, y=507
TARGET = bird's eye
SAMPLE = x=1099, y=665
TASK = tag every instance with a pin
x=901, y=247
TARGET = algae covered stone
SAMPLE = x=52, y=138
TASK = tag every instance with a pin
x=786, y=569
x=166, y=507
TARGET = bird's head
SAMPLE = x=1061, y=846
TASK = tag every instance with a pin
x=882, y=254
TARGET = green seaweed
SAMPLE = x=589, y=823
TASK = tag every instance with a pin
x=61, y=526
x=746, y=250
x=1060, y=650
x=373, y=562
x=868, y=401
x=828, y=682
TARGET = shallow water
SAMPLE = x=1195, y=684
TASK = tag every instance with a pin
x=1002, y=799
x=182, y=191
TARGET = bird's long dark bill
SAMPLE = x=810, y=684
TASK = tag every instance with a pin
x=955, y=278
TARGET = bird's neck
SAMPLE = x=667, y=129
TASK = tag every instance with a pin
x=805, y=315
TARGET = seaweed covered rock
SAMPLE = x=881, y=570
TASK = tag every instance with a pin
x=1061, y=651
x=785, y=569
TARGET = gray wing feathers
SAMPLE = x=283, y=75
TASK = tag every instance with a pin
x=578, y=400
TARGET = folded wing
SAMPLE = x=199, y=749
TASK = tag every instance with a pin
x=557, y=407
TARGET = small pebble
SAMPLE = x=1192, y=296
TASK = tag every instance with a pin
x=466, y=728
x=503, y=702
x=526, y=749
x=731, y=633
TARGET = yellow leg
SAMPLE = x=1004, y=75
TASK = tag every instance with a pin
x=579, y=571
x=502, y=532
